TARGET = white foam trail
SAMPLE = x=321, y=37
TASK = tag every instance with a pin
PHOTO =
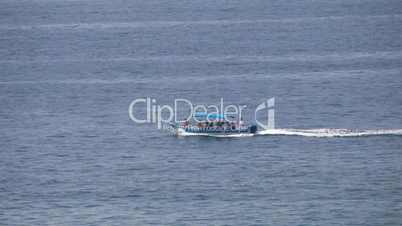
x=331, y=132
x=323, y=132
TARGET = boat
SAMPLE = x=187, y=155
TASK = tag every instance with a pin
x=217, y=125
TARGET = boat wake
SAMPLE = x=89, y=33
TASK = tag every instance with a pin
x=323, y=132
x=332, y=132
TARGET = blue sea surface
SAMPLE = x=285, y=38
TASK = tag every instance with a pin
x=70, y=155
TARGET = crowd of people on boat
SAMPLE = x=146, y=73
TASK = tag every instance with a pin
x=213, y=125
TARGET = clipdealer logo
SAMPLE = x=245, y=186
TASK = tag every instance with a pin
x=162, y=114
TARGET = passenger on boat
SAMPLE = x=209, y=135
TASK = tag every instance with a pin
x=241, y=122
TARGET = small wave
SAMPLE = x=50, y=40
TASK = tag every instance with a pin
x=158, y=24
x=150, y=78
x=340, y=56
x=73, y=81
x=332, y=132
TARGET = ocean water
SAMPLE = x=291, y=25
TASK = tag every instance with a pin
x=70, y=155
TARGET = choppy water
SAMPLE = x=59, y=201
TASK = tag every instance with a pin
x=70, y=155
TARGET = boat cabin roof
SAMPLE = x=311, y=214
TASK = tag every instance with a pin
x=212, y=116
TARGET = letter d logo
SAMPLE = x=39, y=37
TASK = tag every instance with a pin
x=269, y=104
